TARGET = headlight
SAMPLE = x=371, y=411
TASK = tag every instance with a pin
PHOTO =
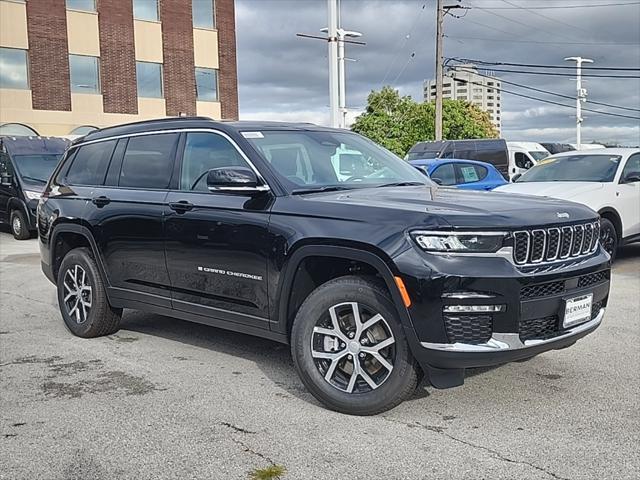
x=470, y=242
x=32, y=195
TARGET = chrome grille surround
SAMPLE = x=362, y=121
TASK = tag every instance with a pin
x=536, y=246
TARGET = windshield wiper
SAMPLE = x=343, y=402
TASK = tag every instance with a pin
x=34, y=179
x=326, y=188
x=401, y=184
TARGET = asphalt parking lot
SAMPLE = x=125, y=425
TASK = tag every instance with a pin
x=165, y=399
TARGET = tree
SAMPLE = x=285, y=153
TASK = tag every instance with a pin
x=398, y=123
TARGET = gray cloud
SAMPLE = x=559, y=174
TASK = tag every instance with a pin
x=284, y=77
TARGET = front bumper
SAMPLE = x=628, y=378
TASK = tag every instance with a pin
x=529, y=321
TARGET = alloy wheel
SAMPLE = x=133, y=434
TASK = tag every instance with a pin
x=77, y=293
x=353, y=348
x=16, y=225
x=608, y=240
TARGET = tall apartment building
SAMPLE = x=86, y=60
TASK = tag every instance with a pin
x=67, y=67
x=480, y=90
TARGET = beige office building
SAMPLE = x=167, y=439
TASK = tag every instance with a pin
x=69, y=66
x=464, y=83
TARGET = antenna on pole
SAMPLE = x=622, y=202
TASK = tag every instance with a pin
x=581, y=95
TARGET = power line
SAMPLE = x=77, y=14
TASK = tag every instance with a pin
x=538, y=65
x=539, y=42
x=528, y=9
x=549, y=101
x=557, y=74
x=556, y=94
x=557, y=7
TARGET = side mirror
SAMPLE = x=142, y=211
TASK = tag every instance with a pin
x=528, y=164
x=437, y=180
x=239, y=180
x=631, y=177
x=6, y=180
x=516, y=177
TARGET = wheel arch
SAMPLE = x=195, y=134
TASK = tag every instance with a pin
x=15, y=203
x=290, y=298
x=67, y=236
x=614, y=217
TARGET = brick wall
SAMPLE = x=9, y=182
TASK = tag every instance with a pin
x=228, y=74
x=117, y=56
x=48, y=55
x=179, y=66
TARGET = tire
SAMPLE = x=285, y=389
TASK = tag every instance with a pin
x=609, y=237
x=86, y=314
x=19, y=225
x=309, y=348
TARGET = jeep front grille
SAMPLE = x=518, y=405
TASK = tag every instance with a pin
x=537, y=246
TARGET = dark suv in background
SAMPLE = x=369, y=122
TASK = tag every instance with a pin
x=25, y=166
x=375, y=277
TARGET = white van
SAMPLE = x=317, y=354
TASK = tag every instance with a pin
x=523, y=156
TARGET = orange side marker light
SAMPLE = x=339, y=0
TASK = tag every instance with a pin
x=403, y=292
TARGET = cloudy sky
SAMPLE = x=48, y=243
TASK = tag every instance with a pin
x=284, y=77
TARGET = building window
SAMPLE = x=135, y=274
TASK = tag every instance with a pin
x=84, y=74
x=203, y=14
x=13, y=68
x=146, y=10
x=207, y=84
x=149, y=77
x=83, y=5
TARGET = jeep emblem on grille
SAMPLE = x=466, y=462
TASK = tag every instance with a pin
x=562, y=214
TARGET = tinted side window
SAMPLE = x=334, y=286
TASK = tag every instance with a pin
x=633, y=165
x=445, y=174
x=202, y=152
x=148, y=161
x=90, y=164
x=472, y=173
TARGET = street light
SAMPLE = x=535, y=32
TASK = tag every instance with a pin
x=581, y=95
x=342, y=88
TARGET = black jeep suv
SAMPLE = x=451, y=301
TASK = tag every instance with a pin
x=318, y=238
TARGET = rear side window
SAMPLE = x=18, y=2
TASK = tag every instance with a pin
x=148, y=161
x=90, y=163
x=471, y=173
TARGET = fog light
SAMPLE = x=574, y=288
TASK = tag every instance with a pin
x=473, y=308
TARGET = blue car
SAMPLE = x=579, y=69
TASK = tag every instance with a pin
x=465, y=174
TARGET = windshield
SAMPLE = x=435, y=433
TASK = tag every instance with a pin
x=310, y=160
x=573, y=168
x=538, y=155
x=36, y=168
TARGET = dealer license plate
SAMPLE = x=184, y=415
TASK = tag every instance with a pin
x=577, y=310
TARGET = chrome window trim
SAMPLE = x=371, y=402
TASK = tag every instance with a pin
x=185, y=130
x=511, y=341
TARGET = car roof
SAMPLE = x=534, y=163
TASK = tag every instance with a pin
x=623, y=151
x=437, y=161
x=174, y=123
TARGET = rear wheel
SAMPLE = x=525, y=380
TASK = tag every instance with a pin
x=82, y=297
x=350, y=350
x=608, y=237
x=19, y=225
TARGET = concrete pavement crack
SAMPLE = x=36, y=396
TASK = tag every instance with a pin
x=247, y=448
x=494, y=453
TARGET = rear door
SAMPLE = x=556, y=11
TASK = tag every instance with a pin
x=217, y=244
x=8, y=182
x=126, y=216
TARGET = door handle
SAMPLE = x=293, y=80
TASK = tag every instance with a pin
x=101, y=201
x=181, y=207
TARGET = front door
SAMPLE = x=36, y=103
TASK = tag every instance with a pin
x=628, y=198
x=216, y=244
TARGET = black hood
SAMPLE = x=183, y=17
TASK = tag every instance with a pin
x=463, y=208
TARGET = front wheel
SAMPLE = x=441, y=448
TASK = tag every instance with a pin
x=19, y=225
x=349, y=348
x=608, y=237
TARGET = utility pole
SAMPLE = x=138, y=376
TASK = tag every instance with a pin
x=334, y=117
x=581, y=95
x=439, y=40
x=442, y=10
